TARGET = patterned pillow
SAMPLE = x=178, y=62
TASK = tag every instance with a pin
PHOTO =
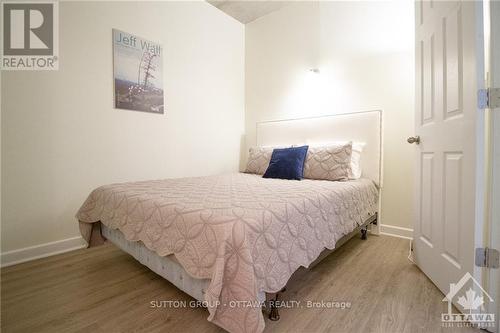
x=332, y=162
x=258, y=159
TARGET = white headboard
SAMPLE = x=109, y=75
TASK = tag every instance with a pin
x=359, y=127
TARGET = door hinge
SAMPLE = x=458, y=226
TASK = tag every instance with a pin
x=486, y=257
x=488, y=98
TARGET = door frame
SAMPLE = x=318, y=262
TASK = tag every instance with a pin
x=490, y=278
x=487, y=227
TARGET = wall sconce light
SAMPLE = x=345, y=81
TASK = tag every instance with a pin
x=314, y=70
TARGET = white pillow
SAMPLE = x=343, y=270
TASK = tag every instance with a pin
x=357, y=149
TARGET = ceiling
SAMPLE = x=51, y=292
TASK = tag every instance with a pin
x=247, y=11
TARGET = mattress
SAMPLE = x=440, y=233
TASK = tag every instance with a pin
x=167, y=267
x=243, y=233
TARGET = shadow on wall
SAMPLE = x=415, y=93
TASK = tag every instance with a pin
x=243, y=152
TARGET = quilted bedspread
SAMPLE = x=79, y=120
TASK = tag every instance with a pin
x=243, y=232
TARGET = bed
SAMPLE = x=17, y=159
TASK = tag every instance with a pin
x=229, y=240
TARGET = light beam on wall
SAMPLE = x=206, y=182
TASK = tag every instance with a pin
x=319, y=91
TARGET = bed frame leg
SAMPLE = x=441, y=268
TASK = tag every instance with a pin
x=364, y=233
x=274, y=314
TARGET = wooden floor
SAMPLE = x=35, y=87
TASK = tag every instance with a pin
x=105, y=290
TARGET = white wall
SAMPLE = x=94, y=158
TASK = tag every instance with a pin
x=365, y=53
x=61, y=136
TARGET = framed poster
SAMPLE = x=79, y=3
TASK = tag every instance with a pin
x=137, y=73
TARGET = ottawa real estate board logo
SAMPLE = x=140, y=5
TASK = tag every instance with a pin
x=471, y=301
x=30, y=39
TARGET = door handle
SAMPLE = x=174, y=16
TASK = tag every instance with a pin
x=414, y=139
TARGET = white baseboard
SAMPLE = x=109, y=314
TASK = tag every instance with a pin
x=41, y=251
x=49, y=249
x=392, y=230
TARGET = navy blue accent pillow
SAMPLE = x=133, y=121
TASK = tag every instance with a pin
x=287, y=163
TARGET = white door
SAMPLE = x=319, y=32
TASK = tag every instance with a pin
x=446, y=124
